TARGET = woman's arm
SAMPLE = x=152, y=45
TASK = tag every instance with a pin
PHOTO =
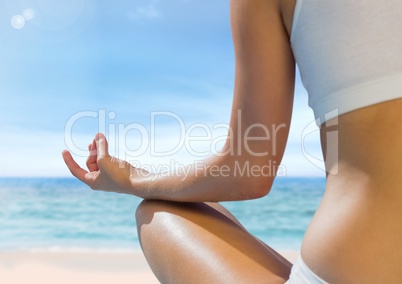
x=260, y=122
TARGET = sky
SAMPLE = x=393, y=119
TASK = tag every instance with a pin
x=137, y=70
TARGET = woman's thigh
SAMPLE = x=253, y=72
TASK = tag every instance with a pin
x=204, y=243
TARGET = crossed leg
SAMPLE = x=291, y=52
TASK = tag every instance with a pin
x=204, y=243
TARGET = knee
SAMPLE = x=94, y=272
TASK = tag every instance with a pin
x=146, y=221
x=146, y=210
x=157, y=217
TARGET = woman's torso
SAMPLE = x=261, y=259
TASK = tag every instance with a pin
x=356, y=233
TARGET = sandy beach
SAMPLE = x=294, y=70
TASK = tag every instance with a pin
x=80, y=267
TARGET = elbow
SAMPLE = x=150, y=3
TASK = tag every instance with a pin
x=255, y=188
x=262, y=187
x=251, y=178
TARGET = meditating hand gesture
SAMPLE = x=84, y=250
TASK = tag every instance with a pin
x=105, y=172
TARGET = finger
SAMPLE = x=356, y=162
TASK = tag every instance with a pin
x=102, y=146
x=74, y=168
x=94, y=145
x=91, y=161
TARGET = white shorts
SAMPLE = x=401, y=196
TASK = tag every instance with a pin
x=301, y=274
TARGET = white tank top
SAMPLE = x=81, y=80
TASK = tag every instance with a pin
x=349, y=53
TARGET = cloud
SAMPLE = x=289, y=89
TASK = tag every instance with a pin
x=146, y=12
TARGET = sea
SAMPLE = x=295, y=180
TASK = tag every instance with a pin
x=53, y=214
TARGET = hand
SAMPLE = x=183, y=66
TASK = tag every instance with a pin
x=105, y=172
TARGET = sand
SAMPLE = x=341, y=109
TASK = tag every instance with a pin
x=80, y=267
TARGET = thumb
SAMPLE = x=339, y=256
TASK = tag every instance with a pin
x=102, y=146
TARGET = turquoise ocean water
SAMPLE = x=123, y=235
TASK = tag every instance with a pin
x=64, y=214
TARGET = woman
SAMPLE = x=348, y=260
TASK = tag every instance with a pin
x=349, y=55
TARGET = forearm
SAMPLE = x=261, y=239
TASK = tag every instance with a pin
x=218, y=178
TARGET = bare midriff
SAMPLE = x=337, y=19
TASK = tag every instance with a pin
x=356, y=234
